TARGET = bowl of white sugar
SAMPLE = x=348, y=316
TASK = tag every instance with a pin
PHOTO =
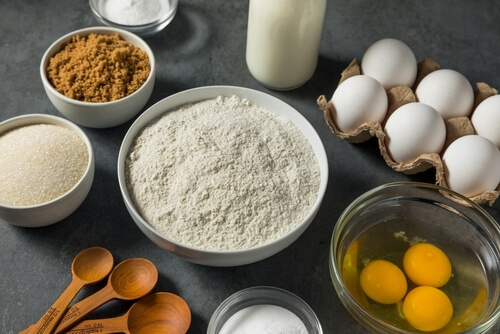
x=142, y=17
x=264, y=309
x=46, y=169
x=222, y=175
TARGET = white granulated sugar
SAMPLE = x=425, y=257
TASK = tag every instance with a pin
x=222, y=174
x=39, y=163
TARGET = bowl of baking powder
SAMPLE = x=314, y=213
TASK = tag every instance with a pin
x=222, y=175
x=264, y=309
x=142, y=17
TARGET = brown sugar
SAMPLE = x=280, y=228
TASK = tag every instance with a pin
x=98, y=68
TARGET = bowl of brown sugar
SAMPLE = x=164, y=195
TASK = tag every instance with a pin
x=98, y=77
x=46, y=169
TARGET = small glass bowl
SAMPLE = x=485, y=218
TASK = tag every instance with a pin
x=262, y=295
x=384, y=221
x=143, y=29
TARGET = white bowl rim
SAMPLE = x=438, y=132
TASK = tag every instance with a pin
x=33, y=119
x=100, y=30
x=232, y=90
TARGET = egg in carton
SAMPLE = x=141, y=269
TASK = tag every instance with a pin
x=398, y=96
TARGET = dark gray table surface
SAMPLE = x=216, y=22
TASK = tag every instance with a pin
x=205, y=45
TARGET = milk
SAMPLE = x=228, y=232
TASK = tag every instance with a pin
x=283, y=41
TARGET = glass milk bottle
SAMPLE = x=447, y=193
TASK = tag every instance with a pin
x=283, y=41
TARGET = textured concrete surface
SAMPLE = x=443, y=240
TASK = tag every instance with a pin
x=205, y=45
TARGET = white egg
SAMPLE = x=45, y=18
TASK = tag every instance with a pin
x=391, y=62
x=472, y=165
x=414, y=129
x=357, y=100
x=447, y=91
x=486, y=119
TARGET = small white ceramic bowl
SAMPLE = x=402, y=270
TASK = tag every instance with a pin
x=223, y=258
x=112, y=16
x=264, y=295
x=61, y=207
x=99, y=114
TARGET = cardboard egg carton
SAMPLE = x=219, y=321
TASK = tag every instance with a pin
x=398, y=96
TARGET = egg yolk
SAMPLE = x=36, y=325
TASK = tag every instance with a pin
x=383, y=282
x=427, y=308
x=426, y=264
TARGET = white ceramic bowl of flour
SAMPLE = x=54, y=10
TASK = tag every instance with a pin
x=197, y=208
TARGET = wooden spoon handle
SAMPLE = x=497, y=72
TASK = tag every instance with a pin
x=55, y=313
x=111, y=325
x=84, y=307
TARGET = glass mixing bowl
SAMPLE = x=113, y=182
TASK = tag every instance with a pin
x=385, y=221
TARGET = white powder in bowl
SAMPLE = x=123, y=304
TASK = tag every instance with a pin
x=134, y=12
x=222, y=174
x=264, y=319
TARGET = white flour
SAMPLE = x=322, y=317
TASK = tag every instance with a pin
x=222, y=174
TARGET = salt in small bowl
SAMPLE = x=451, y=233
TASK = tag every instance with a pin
x=264, y=295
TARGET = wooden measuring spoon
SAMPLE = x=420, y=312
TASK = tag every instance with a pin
x=131, y=279
x=89, y=266
x=160, y=312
